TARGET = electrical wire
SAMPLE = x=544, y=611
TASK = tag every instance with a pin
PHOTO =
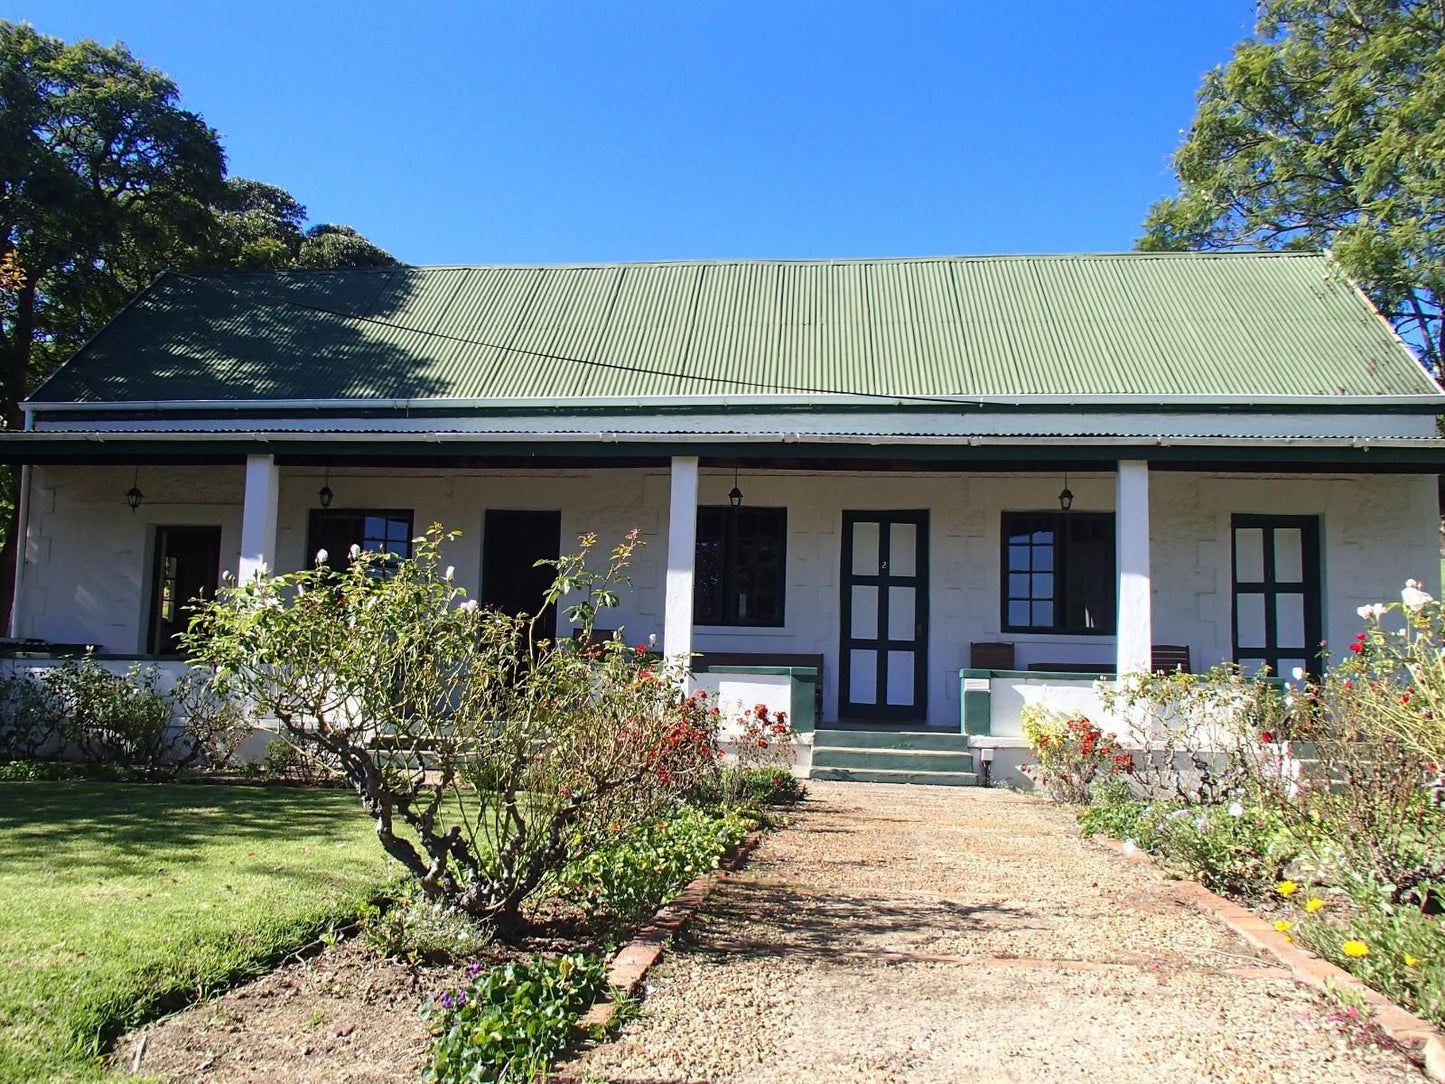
x=217, y=280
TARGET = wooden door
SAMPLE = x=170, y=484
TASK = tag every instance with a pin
x=883, y=652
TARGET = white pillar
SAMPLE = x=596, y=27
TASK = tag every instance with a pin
x=258, y=516
x=1131, y=522
x=681, y=557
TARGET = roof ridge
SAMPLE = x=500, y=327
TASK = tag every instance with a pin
x=1050, y=257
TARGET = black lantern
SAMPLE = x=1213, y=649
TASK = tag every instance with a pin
x=325, y=495
x=1066, y=496
x=735, y=495
x=133, y=495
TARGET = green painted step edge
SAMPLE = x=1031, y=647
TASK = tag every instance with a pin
x=880, y=759
x=944, y=740
x=935, y=779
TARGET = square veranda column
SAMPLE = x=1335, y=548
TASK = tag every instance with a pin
x=681, y=559
x=1135, y=637
x=258, y=516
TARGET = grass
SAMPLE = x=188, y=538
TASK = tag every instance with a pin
x=121, y=901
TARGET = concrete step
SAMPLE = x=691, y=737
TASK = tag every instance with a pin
x=906, y=760
x=937, y=779
x=948, y=741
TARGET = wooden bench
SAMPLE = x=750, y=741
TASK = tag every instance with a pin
x=714, y=660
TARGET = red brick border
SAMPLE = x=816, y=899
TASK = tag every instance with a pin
x=635, y=959
x=1307, y=968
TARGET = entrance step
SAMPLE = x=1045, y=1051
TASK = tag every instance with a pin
x=933, y=779
x=939, y=757
x=941, y=740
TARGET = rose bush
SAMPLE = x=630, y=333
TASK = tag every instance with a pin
x=503, y=752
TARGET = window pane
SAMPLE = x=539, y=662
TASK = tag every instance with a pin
x=1249, y=621
x=1018, y=558
x=1018, y=614
x=1043, y=615
x=900, y=678
x=398, y=530
x=1289, y=622
x=1043, y=587
x=1043, y=557
x=901, y=613
x=740, y=565
x=903, y=549
x=1018, y=585
x=863, y=677
x=1289, y=561
x=864, y=624
x=1091, y=590
x=865, y=549
x=1249, y=555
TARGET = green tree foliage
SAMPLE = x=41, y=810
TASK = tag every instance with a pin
x=104, y=179
x=1327, y=128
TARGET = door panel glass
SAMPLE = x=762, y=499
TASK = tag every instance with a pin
x=903, y=549
x=1249, y=555
x=901, y=612
x=865, y=549
x=1249, y=620
x=900, y=678
x=1289, y=621
x=1289, y=560
x=864, y=625
x=863, y=677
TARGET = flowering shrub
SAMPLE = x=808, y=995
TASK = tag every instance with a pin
x=503, y=753
x=1231, y=849
x=628, y=877
x=506, y=1024
x=1070, y=753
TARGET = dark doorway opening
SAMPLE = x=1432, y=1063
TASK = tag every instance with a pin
x=512, y=544
x=187, y=567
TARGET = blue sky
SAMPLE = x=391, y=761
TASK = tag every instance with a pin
x=547, y=133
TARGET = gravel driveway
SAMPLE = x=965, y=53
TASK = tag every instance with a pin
x=901, y=933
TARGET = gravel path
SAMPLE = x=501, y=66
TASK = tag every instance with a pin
x=900, y=933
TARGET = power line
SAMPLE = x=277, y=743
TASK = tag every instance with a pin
x=613, y=365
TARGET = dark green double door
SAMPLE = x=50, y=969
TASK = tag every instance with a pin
x=883, y=653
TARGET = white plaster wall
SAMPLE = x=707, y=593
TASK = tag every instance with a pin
x=1376, y=531
x=609, y=502
x=88, y=556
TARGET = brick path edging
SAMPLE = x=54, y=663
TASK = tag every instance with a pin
x=1404, y=1027
x=635, y=959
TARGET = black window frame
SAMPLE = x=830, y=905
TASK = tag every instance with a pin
x=1011, y=524
x=339, y=556
x=1310, y=587
x=723, y=525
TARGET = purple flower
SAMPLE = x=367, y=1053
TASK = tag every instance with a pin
x=474, y=970
x=448, y=1002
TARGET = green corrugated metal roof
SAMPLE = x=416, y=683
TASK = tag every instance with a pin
x=1142, y=324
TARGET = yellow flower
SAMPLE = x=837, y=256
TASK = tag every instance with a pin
x=1411, y=961
x=1283, y=925
x=1355, y=949
x=1314, y=905
x=1286, y=888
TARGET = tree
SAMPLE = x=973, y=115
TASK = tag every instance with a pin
x=1327, y=129
x=104, y=180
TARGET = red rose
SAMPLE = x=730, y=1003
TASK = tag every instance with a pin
x=1267, y=738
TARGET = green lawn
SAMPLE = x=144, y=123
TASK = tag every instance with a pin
x=118, y=901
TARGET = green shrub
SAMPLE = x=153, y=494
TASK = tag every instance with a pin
x=1396, y=950
x=627, y=878
x=415, y=928
x=506, y=1024
x=751, y=788
x=1232, y=850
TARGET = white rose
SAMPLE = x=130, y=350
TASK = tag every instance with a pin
x=1235, y=809
x=1298, y=673
x=468, y=607
x=451, y=571
x=355, y=551
x=321, y=557
x=1414, y=598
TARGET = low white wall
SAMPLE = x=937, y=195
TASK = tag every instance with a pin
x=736, y=695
